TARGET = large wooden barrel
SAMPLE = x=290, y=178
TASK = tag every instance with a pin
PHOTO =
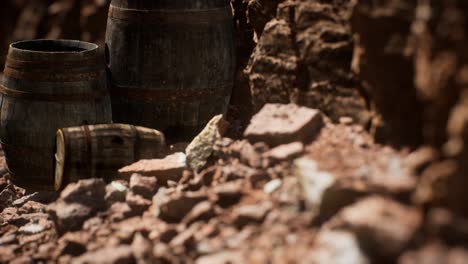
x=100, y=151
x=47, y=85
x=171, y=62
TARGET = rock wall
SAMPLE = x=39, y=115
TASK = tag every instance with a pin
x=304, y=56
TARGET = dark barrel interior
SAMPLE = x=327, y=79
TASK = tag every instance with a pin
x=170, y=4
x=54, y=46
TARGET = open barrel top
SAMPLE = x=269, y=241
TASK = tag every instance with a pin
x=47, y=49
x=170, y=4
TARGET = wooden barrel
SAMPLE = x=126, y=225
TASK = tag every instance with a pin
x=100, y=151
x=47, y=85
x=171, y=62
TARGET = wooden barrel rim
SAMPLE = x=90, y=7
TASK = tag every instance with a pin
x=51, y=97
x=50, y=77
x=135, y=92
x=159, y=15
x=61, y=152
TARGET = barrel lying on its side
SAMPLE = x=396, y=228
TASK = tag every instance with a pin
x=101, y=150
x=171, y=63
x=47, y=85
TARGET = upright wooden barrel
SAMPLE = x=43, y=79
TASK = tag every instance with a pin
x=47, y=85
x=101, y=150
x=171, y=62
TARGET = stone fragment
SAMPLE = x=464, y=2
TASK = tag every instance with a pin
x=272, y=186
x=201, y=148
x=142, y=249
x=116, y=192
x=169, y=168
x=229, y=193
x=278, y=124
x=89, y=192
x=144, y=186
x=338, y=247
x=285, y=152
x=9, y=239
x=78, y=202
x=138, y=203
x=314, y=182
x=383, y=227
x=203, y=211
x=250, y=155
x=174, y=208
x=120, y=211
x=70, y=217
x=222, y=257
x=108, y=255
x=251, y=214
x=31, y=229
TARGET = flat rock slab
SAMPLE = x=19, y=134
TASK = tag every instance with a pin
x=169, y=168
x=278, y=124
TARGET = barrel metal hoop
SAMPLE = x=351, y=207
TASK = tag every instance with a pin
x=51, y=97
x=176, y=95
x=197, y=16
x=52, y=77
x=47, y=64
x=136, y=146
x=89, y=149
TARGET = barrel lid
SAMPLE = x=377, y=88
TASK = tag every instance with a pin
x=170, y=4
x=52, y=49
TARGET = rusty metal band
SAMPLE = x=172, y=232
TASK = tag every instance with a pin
x=136, y=146
x=53, y=77
x=60, y=64
x=89, y=149
x=160, y=16
x=51, y=97
x=169, y=94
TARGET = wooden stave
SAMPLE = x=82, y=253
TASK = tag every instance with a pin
x=186, y=114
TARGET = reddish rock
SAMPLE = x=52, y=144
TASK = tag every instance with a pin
x=383, y=227
x=233, y=256
x=251, y=214
x=203, y=211
x=339, y=247
x=278, y=124
x=285, y=152
x=88, y=192
x=70, y=217
x=137, y=202
x=116, y=192
x=169, y=168
x=144, y=186
x=174, y=208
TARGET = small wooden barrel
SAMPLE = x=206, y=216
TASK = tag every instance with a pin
x=47, y=85
x=171, y=62
x=101, y=150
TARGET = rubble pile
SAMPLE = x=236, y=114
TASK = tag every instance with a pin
x=297, y=188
